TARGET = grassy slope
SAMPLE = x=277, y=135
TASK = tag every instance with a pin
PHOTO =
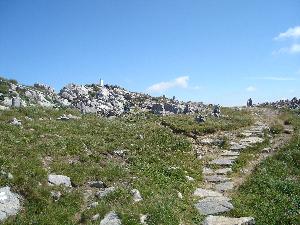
x=89, y=142
x=234, y=119
x=272, y=193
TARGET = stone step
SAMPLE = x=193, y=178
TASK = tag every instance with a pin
x=202, y=193
x=222, y=220
x=207, y=171
x=223, y=171
x=223, y=161
x=252, y=140
x=230, y=153
x=213, y=205
x=225, y=186
x=216, y=178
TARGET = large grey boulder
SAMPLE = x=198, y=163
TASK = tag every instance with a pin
x=222, y=220
x=54, y=179
x=158, y=109
x=16, y=102
x=111, y=219
x=9, y=203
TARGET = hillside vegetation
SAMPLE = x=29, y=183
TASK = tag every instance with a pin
x=154, y=160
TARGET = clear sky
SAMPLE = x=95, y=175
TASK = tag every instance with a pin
x=214, y=51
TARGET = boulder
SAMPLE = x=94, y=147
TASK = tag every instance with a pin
x=57, y=180
x=111, y=219
x=9, y=203
x=136, y=195
x=15, y=122
x=97, y=184
x=158, y=109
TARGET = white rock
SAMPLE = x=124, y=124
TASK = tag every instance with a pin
x=143, y=219
x=111, y=219
x=189, y=178
x=136, y=195
x=54, y=179
x=9, y=203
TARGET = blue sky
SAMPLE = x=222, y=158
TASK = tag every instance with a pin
x=213, y=51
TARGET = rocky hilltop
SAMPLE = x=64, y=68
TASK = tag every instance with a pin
x=105, y=100
x=291, y=104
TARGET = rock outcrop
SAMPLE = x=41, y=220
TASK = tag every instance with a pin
x=104, y=100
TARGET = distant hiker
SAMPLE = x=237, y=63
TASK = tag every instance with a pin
x=249, y=103
x=216, y=111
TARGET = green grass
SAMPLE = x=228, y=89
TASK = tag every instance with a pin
x=272, y=193
x=249, y=154
x=186, y=124
x=89, y=142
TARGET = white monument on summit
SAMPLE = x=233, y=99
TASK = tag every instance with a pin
x=101, y=82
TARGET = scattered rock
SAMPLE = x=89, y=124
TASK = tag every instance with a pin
x=288, y=131
x=16, y=122
x=9, y=203
x=105, y=192
x=266, y=150
x=97, y=184
x=54, y=179
x=189, y=178
x=120, y=152
x=136, y=195
x=143, y=219
x=222, y=220
x=200, y=119
x=179, y=194
x=111, y=219
x=93, y=205
x=63, y=117
x=7, y=175
x=95, y=217
x=56, y=195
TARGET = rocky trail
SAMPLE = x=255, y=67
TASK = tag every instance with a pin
x=219, y=180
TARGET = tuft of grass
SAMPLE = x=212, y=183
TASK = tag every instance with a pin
x=276, y=128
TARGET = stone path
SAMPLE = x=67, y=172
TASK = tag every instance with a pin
x=213, y=197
